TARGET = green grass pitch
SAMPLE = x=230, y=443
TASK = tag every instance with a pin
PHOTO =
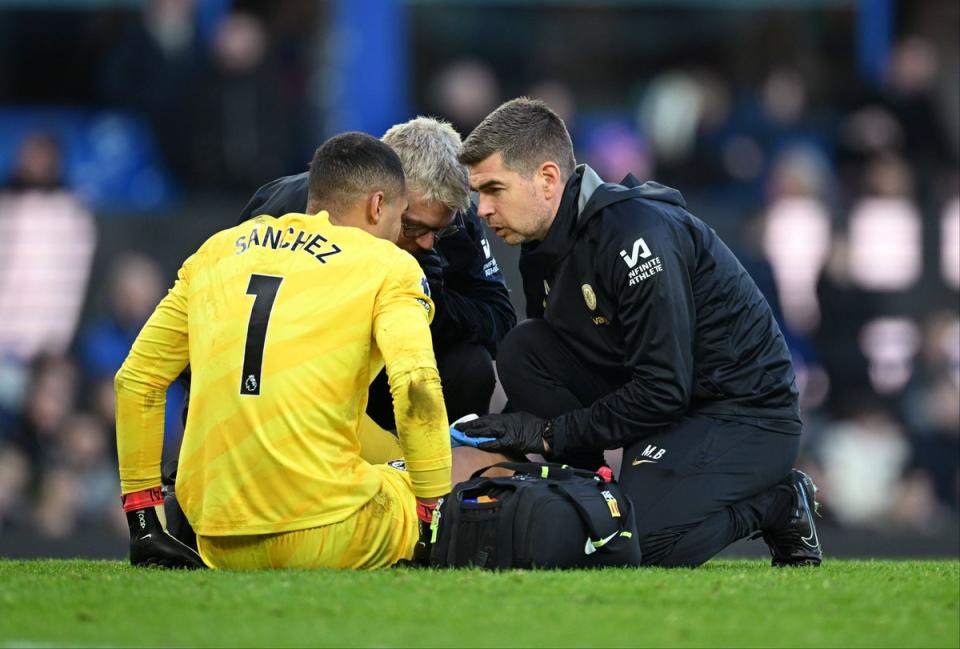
x=725, y=603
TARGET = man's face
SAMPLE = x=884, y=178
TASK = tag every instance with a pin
x=423, y=220
x=513, y=206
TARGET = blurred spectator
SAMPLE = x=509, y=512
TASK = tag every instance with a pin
x=912, y=72
x=687, y=117
x=614, y=149
x=901, y=118
x=47, y=239
x=797, y=233
x=846, y=308
x=51, y=396
x=243, y=121
x=884, y=229
x=931, y=407
x=670, y=112
x=558, y=96
x=39, y=165
x=14, y=482
x=80, y=485
x=862, y=458
x=136, y=287
x=153, y=71
x=950, y=243
x=464, y=92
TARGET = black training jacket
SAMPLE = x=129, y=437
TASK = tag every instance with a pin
x=475, y=304
x=647, y=294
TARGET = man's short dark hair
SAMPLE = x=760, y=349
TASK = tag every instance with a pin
x=527, y=133
x=349, y=166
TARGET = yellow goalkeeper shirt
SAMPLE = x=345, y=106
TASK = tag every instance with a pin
x=284, y=323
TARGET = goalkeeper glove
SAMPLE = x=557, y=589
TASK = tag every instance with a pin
x=425, y=512
x=150, y=545
x=513, y=431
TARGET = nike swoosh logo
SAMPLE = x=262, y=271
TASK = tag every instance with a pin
x=590, y=547
x=813, y=530
x=636, y=462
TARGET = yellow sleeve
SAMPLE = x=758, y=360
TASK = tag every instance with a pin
x=157, y=357
x=401, y=328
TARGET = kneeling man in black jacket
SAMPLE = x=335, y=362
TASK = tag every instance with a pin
x=645, y=333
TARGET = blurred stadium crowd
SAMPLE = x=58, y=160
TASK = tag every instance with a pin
x=838, y=186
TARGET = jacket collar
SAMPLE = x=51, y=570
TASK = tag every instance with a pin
x=589, y=184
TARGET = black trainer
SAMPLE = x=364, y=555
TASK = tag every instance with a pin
x=796, y=542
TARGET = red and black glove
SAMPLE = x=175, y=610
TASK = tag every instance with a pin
x=425, y=512
x=150, y=545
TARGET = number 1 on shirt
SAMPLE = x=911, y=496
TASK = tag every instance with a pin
x=265, y=288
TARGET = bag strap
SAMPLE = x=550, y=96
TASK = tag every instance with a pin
x=596, y=540
x=548, y=470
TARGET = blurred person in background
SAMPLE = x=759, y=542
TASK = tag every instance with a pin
x=557, y=95
x=464, y=92
x=862, y=456
x=687, y=115
x=931, y=408
x=62, y=457
x=135, y=287
x=243, y=125
x=154, y=71
x=441, y=230
x=51, y=396
x=909, y=93
x=846, y=308
x=15, y=478
x=47, y=241
x=79, y=487
x=645, y=333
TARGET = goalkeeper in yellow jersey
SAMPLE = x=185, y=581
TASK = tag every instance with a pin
x=285, y=322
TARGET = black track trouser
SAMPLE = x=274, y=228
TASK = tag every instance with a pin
x=697, y=486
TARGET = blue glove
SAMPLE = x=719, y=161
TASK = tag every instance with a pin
x=511, y=431
x=459, y=438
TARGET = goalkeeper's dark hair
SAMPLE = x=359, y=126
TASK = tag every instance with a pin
x=350, y=166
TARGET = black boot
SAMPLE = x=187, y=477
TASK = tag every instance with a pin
x=795, y=542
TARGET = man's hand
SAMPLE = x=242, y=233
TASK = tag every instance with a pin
x=514, y=431
x=431, y=263
x=150, y=545
x=459, y=438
